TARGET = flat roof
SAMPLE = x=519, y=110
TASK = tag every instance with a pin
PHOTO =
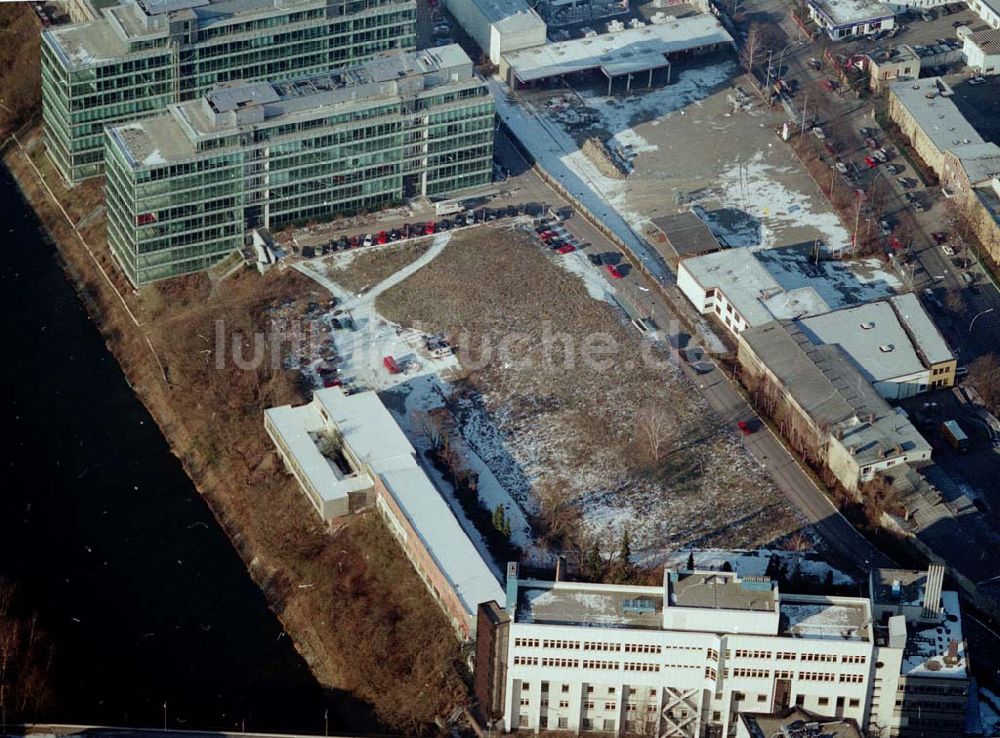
x=751, y=288
x=828, y=386
x=911, y=584
x=851, y=12
x=937, y=649
x=172, y=136
x=367, y=427
x=687, y=234
x=798, y=723
x=499, y=11
x=721, y=591
x=443, y=537
x=631, y=50
x=937, y=116
x=872, y=336
x=839, y=620
x=594, y=605
x=924, y=332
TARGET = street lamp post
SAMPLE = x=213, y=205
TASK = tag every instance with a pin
x=977, y=316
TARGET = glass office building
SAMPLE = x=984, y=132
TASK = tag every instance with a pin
x=184, y=188
x=142, y=55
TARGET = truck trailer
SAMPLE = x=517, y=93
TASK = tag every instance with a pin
x=955, y=435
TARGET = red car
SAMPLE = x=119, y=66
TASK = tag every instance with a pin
x=381, y=238
x=613, y=271
x=830, y=147
x=744, y=427
x=332, y=382
x=355, y=242
x=895, y=243
x=566, y=248
x=390, y=363
x=870, y=162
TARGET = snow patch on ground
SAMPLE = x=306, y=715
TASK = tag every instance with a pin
x=593, y=280
x=756, y=562
x=757, y=188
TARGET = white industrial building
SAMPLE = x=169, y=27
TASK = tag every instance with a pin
x=631, y=53
x=348, y=453
x=685, y=658
x=735, y=287
x=894, y=343
x=499, y=26
x=841, y=19
x=982, y=51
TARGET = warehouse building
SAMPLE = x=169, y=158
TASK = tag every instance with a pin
x=348, y=454
x=838, y=416
x=632, y=54
x=686, y=658
x=894, y=344
x=186, y=186
x=499, y=26
x=841, y=19
x=142, y=55
x=734, y=287
x=982, y=51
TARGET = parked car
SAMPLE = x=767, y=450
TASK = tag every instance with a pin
x=905, y=183
x=470, y=218
x=885, y=227
x=614, y=271
x=939, y=237
x=382, y=238
x=841, y=167
x=948, y=250
x=918, y=206
x=744, y=427
x=977, y=80
x=429, y=228
x=368, y=240
x=355, y=242
x=871, y=163
x=893, y=169
x=819, y=133
x=829, y=85
x=595, y=259
x=566, y=248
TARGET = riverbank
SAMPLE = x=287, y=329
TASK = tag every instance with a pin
x=350, y=601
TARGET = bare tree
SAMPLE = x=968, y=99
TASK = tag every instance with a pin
x=25, y=656
x=656, y=430
x=955, y=303
x=753, y=48
x=984, y=376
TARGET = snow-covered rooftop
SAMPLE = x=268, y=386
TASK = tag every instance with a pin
x=442, y=535
x=842, y=619
x=872, y=336
x=852, y=12
x=628, y=51
x=589, y=605
x=925, y=333
x=937, y=649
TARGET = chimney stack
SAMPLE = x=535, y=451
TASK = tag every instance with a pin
x=932, y=592
x=512, y=570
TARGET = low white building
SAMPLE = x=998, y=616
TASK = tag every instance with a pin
x=894, y=343
x=988, y=10
x=845, y=18
x=499, y=26
x=348, y=453
x=982, y=51
x=735, y=287
x=686, y=658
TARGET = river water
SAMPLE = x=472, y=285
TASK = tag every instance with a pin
x=146, y=601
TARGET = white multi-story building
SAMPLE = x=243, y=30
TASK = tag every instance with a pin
x=686, y=658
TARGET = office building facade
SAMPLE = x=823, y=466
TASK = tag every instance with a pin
x=184, y=187
x=686, y=659
x=142, y=55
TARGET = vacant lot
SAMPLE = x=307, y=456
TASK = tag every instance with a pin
x=358, y=270
x=590, y=429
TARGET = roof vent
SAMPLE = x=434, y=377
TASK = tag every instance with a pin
x=868, y=326
x=886, y=348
